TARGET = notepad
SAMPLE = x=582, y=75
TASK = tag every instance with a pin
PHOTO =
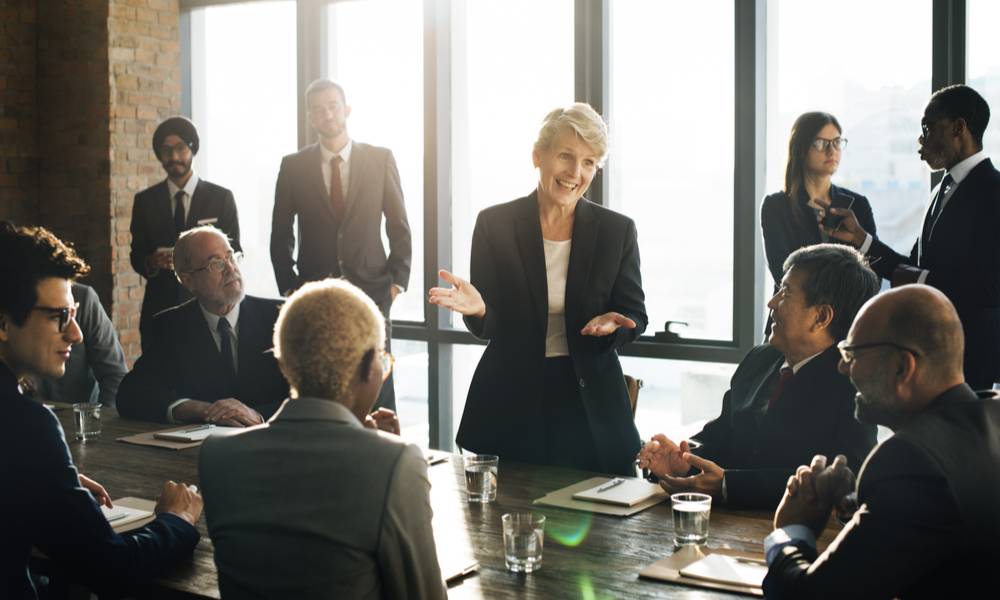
x=122, y=515
x=728, y=569
x=195, y=434
x=629, y=492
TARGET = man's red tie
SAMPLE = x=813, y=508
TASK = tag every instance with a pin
x=336, y=189
x=783, y=377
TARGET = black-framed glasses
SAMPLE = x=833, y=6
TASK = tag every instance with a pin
x=847, y=351
x=179, y=148
x=218, y=265
x=65, y=313
x=388, y=360
x=823, y=144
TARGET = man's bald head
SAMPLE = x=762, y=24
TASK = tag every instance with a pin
x=920, y=318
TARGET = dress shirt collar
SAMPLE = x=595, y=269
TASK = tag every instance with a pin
x=315, y=409
x=188, y=188
x=213, y=320
x=962, y=169
x=801, y=363
x=344, y=154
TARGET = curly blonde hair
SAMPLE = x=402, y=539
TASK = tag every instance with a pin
x=321, y=335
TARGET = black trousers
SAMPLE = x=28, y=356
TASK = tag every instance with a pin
x=569, y=440
x=387, y=396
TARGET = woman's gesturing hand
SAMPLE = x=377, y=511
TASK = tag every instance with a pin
x=462, y=297
x=607, y=324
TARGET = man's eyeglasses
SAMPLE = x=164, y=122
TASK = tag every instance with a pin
x=218, y=265
x=823, y=144
x=847, y=351
x=388, y=360
x=65, y=314
x=180, y=148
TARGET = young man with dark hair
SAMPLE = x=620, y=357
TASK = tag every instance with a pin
x=47, y=504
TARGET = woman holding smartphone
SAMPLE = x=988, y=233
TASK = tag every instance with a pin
x=792, y=218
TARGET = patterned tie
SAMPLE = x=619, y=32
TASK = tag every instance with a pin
x=226, y=348
x=336, y=189
x=179, y=212
x=784, y=375
x=937, y=206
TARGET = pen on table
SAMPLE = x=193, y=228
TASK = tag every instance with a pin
x=198, y=428
x=613, y=483
x=117, y=517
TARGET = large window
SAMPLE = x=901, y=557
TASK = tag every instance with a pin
x=501, y=89
x=984, y=65
x=243, y=100
x=671, y=161
x=375, y=50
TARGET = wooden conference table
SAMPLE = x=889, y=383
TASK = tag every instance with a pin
x=585, y=556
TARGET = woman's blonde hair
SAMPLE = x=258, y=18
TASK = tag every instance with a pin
x=323, y=332
x=582, y=119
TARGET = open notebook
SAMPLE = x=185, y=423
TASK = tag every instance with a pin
x=620, y=491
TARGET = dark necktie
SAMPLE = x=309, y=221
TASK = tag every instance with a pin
x=336, y=189
x=784, y=375
x=226, y=348
x=937, y=206
x=179, y=212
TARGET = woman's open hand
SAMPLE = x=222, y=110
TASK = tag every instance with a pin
x=462, y=297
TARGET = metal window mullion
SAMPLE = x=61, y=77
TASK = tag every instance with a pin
x=591, y=74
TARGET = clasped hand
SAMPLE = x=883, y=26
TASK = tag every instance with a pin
x=671, y=463
x=813, y=491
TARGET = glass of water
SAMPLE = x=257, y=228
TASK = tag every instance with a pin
x=523, y=537
x=87, y=421
x=481, y=477
x=691, y=514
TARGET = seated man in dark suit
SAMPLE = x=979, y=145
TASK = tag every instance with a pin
x=46, y=503
x=207, y=360
x=929, y=519
x=313, y=504
x=786, y=401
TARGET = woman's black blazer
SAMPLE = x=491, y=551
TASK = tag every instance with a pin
x=783, y=235
x=505, y=407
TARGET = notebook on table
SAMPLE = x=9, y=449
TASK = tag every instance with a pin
x=197, y=433
x=620, y=491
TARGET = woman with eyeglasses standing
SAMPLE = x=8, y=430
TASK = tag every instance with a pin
x=792, y=218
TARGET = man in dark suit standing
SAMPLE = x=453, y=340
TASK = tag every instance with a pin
x=786, y=402
x=207, y=360
x=338, y=189
x=956, y=251
x=47, y=504
x=164, y=211
x=928, y=523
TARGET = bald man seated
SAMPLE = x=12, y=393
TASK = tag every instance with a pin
x=928, y=525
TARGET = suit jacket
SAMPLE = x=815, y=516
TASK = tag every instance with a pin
x=181, y=360
x=352, y=249
x=313, y=505
x=96, y=366
x=784, y=235
x=928, y=523
x=153, y=227
x=963, y=259
x=45, y=507
x=760, y=447
x=504, y=410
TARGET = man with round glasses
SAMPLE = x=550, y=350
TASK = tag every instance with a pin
x=207, y=360
x=164, y=211
x=47, y=503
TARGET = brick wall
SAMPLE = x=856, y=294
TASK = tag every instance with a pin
x=18, y=112
x=144, y=62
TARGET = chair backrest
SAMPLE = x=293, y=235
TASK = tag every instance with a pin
x=633, y=385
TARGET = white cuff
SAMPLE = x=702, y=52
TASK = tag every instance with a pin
x=784, y=536
x=923, y=276
x=867, y=244
x=170, y=409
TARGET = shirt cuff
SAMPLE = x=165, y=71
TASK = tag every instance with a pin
x=784, y=536
x=867, y=245
x=399, y=288
x=725, y=492
x=170, y=409
x=923, y=276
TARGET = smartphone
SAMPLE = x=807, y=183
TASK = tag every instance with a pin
x=832, y=221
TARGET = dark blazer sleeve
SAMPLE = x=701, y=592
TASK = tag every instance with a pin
x=627, y=296
x=147, y=391
x=142, y=245
x=396, y=226
x=69, y=528
x=104, y=353
x=484, y=277
x=777, y=243
x=895, y=538
x=282, y=228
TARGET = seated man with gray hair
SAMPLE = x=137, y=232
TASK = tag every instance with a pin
x=207, y=360
x=787, y=401
x=313, y=504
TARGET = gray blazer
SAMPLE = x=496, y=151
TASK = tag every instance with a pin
x=313, y=505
